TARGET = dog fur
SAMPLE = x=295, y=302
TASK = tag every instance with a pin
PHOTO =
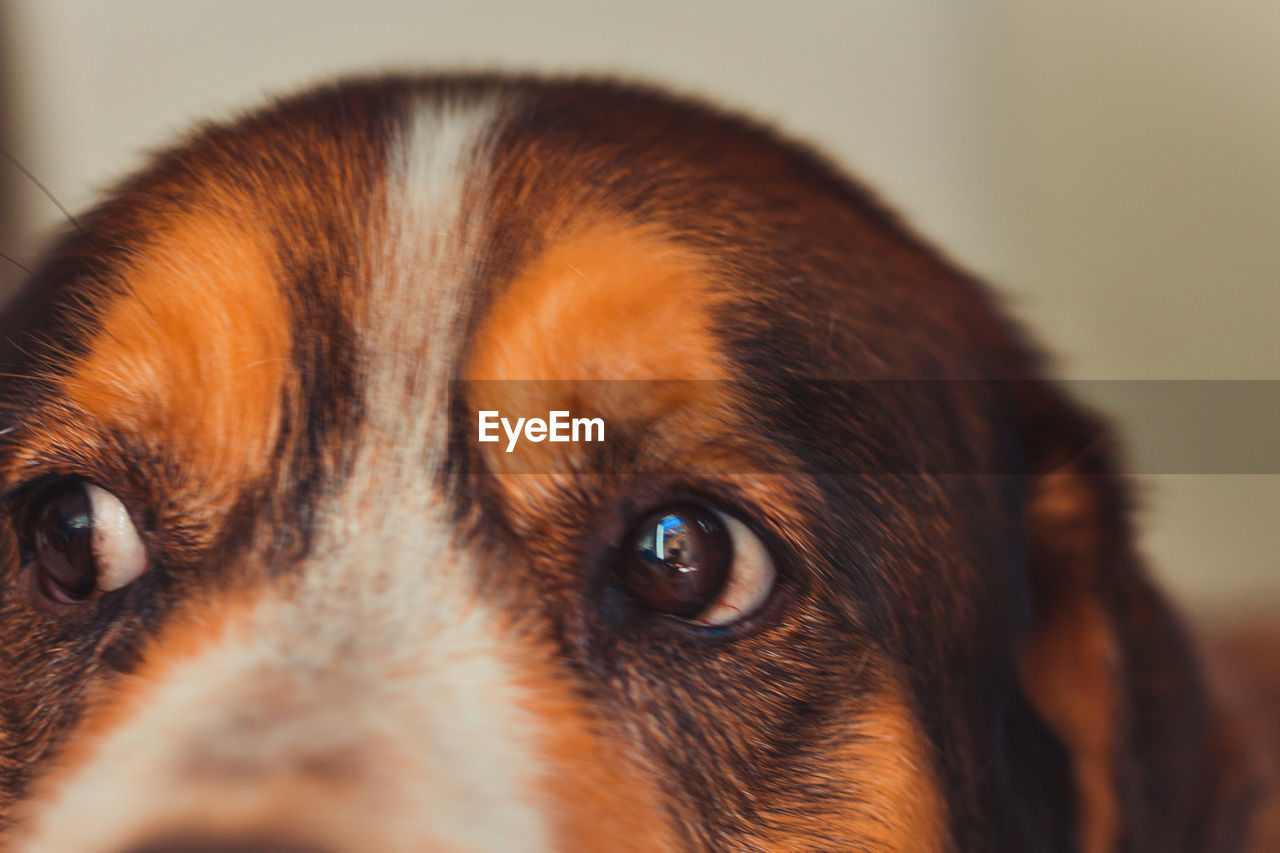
x=361, y=629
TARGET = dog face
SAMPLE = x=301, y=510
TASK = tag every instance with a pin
x=843, y=573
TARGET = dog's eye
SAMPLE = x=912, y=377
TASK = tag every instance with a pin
x=84, y=542
x=698, y=564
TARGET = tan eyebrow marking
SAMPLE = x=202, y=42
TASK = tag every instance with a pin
x=610, y=320
x=196, y=352
x=609, y=300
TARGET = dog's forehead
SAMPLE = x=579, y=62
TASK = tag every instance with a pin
x=340, y=260
x=333, y=285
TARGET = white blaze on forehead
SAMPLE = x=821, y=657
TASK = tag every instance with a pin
x=423, y=286
x=381, y=662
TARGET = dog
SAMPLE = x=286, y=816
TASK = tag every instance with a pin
x=844, y=570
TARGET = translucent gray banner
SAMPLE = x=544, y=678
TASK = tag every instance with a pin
x=894, y=426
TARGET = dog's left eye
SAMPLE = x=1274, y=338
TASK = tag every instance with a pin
x=696, y=563
x=83, y=541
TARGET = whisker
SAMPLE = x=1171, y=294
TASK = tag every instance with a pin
x=40, y=185
x=8, y=339
x=16, y=263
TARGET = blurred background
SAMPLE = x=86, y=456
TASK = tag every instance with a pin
x=1113, y=167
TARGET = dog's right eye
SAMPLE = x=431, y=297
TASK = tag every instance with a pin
x=83, y=542
x=697, y=564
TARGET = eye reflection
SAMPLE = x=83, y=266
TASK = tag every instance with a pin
x=673, y=542
x=678, y=561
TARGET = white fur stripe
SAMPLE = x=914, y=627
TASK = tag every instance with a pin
x=419, y=296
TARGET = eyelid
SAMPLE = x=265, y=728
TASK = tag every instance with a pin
x=30, y=484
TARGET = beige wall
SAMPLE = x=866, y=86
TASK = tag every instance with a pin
x=1111, y=164
x=1139, y=216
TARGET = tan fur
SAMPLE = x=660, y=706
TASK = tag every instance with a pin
x=597, y=794
x=1069, y=672
x=196, y=354
x=192, y=360
x=889, y=768
x=610, y=320
x=1070, y=669
x=606, y=301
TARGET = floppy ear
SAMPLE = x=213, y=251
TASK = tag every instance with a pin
x=1107, y=664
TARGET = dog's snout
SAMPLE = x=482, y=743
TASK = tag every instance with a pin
x=208, y=844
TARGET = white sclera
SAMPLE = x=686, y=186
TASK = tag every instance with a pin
x=117, y=548
x=751, y=577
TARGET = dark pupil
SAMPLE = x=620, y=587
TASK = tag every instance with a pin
x=678, y=561
x=63, y=540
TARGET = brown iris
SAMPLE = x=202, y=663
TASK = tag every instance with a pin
x=676, y=561
x=62, y=535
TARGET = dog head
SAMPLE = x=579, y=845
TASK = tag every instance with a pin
x=842, y=572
